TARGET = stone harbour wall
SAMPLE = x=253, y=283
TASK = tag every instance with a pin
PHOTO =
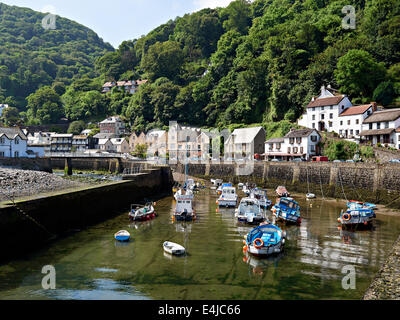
x=377, y=183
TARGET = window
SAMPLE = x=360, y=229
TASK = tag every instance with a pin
x=340, y=131
x=298, y=140
x=331, y=116
x=386, y=125
x=370, y=126
x=278, y=146
x=288, y=150
x=313, y=117
x=331, y=107
x=271, y=146
x=330, y=124
x=351, y=131
x=322, y=108
x=16, y=154
x=314, y=138
x=313, y=125
x=357, y=132
x=2, y=140
x=378, y=125
x=357, y=121
x=313, y=109
x=295, y=149
x=16, y=141
x=301, y=150
x=322, y=116
x=341, y=123
x=348, y=122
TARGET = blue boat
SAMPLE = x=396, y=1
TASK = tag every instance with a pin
x=265, y=240
x=361, y=205
x=352, y=218
x=287, y=210
x=122, y=236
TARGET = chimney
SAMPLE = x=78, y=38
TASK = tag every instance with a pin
x=313, y=99
x=323, y=91
x=374, y=106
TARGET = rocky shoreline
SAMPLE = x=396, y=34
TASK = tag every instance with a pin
x=386, y=285
x=15, y=183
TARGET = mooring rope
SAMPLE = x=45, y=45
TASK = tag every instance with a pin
x=340, y=176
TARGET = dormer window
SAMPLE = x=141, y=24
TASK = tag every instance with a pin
x=16, y=140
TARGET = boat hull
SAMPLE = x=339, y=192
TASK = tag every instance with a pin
x=255, y=220
x=265, y=251
x=227, y=203
x=174, y=249
x=179, y=217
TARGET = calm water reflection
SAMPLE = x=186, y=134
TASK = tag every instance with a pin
x=91, y=265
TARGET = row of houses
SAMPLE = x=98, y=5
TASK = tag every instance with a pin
x=334, y=112
x=131, y=86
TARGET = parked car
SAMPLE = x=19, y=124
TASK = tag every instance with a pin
x=350, y=161
x=320, y=159
x=299, y=160
x=338, y=161
x=276, y=160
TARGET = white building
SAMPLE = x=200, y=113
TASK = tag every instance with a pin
x=2, y=107
x=14, y=144
x=38, y=139
x=245, y=143
x=383, y=127
x=301, y=143
x=120, y=145
x=156, y=141
x=351, y=120
x=106, y=145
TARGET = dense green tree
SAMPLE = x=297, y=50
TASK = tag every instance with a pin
x=10, y=116
x=44, y=106
x=384, y=93
x=76, y=127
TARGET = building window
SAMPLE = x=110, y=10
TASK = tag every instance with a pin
x=370, y=126
x=291, y=140
x=278, y=146
x=16, y=140
x=331, y=116
x=313, y=117
x=271, y=146
x=341, y=123
x=357, y=132
x=2, y=155
x=295, y=149
x=301, y=150
x=378, y=125
x=331, y=107
x=322, y=108
x=314, y=138
x=16, y=154
x=357, y=121
x=313, y=125
x=386, y=125
x=348, y=122
x=330, y=124
x=322, y=116
x=340, y=131
x=298, y=140
x=288, y=150
x=351, y=131
x=313, y=109
x=2, y=140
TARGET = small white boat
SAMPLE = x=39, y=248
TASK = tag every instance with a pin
x=310, y=196
x=173, y=248
x=228, y=198
x=182, y=192
x=184, y=210
x=122, y=235
x=250, y=211
x=240, y=186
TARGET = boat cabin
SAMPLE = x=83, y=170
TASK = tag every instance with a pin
x=288, y=205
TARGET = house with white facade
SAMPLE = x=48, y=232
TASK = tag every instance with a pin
x=120, y=145
x=61, y=142
x=2, y=107
x=382, y=127
x=245, y=143
x=157, y=141
x=106, y=145
x=351, y=120
x=301, y=143
x=43, y=139
x=14, y=144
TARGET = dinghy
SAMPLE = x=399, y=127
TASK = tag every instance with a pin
x=310, y=196
x=356, y=218
x=173, y=248
x=360, y=205
x=122, y=235
x=282, y=192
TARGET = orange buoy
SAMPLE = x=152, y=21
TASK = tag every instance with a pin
x=245, y=248
x=258, y=243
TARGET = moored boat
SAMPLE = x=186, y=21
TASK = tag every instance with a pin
x=173, y=248
x=360, y=205
x=184, y=208
x=142, y=213
x=249, y=211
x=261, y=196
x=228, y=198
x=186, y=192
x=265, y=240
x=287, y=210
x=310, y=196
x=122, y=236
x=221, y=187
x=282, y=192
x=354, y=218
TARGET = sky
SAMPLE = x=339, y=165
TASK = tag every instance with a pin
x=119, y=20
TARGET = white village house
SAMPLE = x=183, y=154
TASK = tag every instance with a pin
x=301, y=143
x=383, y=127
x=334, y=112
x=14, y=144
x=120, y=145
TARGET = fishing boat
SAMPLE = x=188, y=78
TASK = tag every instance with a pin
x=240, y=186
x=261, y=196
x=265, y=240
x=142, y=213
x=360, y=205
x=287, y=210
x=184, y=208
x=228, y=198
x=310, y=196
x=249, y=211
x=173, y=248
x=353, y=218
x=282, y=192
x=122, y=236
x=221, y=187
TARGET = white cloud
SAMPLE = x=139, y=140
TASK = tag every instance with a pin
x=49, y=9
x=201, y=4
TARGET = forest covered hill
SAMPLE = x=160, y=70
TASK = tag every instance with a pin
x=32, y=57
x=251, y=62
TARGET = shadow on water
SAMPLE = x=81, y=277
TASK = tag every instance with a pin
x=92, y=265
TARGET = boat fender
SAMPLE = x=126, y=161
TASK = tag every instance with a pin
x=283, y=241
x=258, y=243
x=346, y=217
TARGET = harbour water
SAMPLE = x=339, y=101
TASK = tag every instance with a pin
x=92, y=265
